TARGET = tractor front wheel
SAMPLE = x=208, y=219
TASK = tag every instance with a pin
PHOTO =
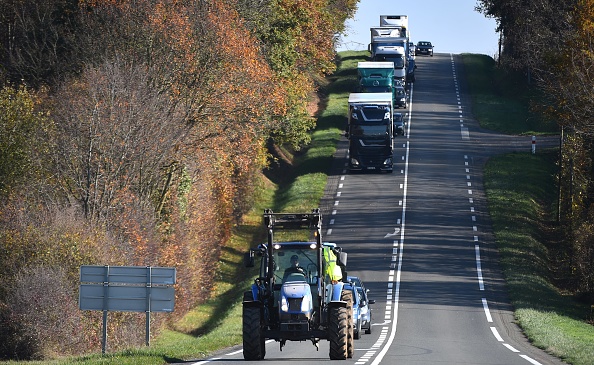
x=254, y=346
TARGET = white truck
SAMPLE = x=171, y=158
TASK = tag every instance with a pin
x=390, y=43
x=396, y=20
x=391, y=49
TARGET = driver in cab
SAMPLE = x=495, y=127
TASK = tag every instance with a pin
x=295, y=268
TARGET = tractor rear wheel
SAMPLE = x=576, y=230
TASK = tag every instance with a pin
x=347, y=296
x=254, y=346
x=338, y=332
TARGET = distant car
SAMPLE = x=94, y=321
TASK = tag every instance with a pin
x=400, y=97
x=424, y=47
x=361, y=309
x=399, y=124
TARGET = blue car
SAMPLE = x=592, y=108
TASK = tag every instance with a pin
x=361, y=309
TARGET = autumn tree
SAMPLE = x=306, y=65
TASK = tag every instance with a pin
x=572, y=79
x=37, y=39
x=158, y=119
x=531, y=31
x=297, y=38
x=552, y=41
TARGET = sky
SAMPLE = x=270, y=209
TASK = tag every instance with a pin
x=452, y=26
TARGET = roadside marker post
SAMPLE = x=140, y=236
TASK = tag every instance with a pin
x=533, y=145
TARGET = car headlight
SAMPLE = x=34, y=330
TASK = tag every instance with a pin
x=354, y=162
x=284, y=305
x=388, y=161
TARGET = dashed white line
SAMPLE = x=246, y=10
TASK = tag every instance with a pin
x=511, y=348
x=532, y=361
x=479, y=270
x=486, y=309
x=496, y=334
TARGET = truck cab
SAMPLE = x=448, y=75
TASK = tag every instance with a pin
x=390, y=49
x=370, y=131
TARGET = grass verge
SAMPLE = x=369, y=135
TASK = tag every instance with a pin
x=501, y=98
x=521, y=191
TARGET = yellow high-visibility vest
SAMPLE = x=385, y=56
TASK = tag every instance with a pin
x=332, y=269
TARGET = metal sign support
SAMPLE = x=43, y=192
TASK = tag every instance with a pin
x=149, y=276
x=105, y=299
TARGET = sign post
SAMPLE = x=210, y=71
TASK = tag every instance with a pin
x=127, y=289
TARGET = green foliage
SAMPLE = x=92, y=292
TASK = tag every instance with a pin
x=20, y=127
x=501, y=99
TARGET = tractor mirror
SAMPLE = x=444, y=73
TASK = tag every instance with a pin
x=248, y=259
x=343, y=258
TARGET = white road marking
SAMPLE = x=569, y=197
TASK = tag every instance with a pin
x=510, y=347
x=479, y=271
x=532, y=361
x=487, y=313
x=378, y=359
x=496, y=334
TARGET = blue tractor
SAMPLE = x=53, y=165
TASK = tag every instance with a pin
x=294, y=298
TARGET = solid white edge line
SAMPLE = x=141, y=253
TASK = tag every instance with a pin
x=207, y=361
x=378, y=359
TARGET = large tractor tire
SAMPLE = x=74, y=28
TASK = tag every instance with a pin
x=347, y=296
x=254, y=345
x=338, y=332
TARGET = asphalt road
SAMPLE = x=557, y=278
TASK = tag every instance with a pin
x=420, y=240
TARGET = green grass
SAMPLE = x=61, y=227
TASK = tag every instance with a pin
x=521, y=192
x=501, y=99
